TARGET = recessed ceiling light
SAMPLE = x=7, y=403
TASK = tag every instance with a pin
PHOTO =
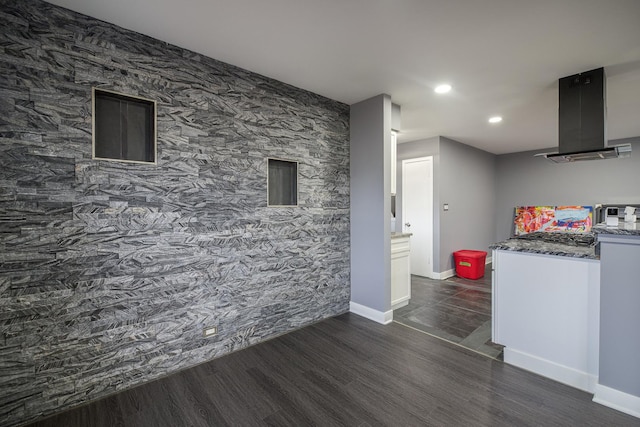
x=496, y=119
x=442, y=89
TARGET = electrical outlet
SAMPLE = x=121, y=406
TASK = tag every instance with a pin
x=210, y=331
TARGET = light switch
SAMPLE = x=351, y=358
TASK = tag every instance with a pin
x=445, y=207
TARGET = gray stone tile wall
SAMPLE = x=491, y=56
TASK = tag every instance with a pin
x=110, y=271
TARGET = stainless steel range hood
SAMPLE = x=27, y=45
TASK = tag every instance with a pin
x=582, y=119
x=612, y=152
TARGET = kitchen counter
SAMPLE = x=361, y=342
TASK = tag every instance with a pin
x=623, y=228
x=593, y=296
x=566, y=244
x=542, y=280
x=399, y=235
x=545, y=311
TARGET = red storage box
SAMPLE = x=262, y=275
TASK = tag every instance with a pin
x=470, y=264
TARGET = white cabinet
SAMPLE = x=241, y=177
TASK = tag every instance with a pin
x=400, y=271
x=546, y=314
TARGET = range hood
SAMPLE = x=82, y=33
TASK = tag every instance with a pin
x=612, y=152
x=582, y=118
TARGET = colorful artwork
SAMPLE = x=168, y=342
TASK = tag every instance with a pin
x=573, y=218
x=530, y=219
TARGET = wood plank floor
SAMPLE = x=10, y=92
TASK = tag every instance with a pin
x=455, y=309
x=348, y=371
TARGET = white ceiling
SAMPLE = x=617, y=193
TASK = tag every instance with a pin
x=503, y=57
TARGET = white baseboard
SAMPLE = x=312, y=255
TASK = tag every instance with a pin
x=399, y=304
x=444, y=274
x=618, y=400
x=450, y=273
x=563, y=374
x=384, y=317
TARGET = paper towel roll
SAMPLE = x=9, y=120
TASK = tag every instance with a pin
x=629, y=214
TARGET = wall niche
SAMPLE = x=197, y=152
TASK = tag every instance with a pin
x=124, y=127
x=282, y=187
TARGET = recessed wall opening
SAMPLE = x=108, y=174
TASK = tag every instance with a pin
x=282, y=185
x=124, y=127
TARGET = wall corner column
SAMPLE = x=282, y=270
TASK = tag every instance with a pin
x=370, y=140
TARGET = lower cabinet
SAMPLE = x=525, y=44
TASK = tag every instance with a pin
x=546, y=314
x=400, y=272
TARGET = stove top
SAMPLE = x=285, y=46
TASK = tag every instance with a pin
x=572, y=239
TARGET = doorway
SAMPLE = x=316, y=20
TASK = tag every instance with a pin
x=417, y=212
x=457, y=310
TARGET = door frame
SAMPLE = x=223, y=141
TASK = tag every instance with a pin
x=430, y=272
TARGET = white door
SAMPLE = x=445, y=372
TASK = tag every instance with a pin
x=417, y=212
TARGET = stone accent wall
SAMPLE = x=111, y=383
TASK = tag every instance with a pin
x=110, y=271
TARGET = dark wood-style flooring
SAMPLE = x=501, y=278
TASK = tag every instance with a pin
x=348, y=371
x=454, y=309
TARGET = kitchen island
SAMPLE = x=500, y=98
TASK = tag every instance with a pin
x=545, y=307
x=568, y=310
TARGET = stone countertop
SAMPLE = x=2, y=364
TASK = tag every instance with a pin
x=567, y=249
x=547, y=248
x=398, y=235
x=623, y=228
